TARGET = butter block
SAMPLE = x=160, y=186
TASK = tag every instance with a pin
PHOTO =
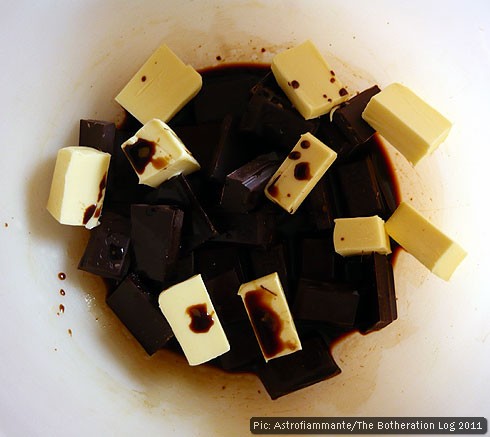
x=412, y=126
x=157, y=154
x=424, y=241
x=270, y=316
x=160, y=88
x=308, y=81
x=78, y=186
x=299, y=173
x=360, y=235
x=193, y=319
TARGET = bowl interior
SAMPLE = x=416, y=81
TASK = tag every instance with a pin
x=69, y=361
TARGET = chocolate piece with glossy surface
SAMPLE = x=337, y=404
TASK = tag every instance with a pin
x=272, y=117
x=377, y=305
x=107, y=252
x=289, y=373
x=348, y=117
x=331, y=302
x=244, y=187
x=197, y=227
x=255, y=228
x=361, y=194
x=98, y=134
x=138, y=311
x=155, y=236
x=223, y=292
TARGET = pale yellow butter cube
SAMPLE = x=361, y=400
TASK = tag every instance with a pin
x=193, y=319
x=360, y=235
x=78, y=186
x=157, y=154
x=270, y=316
x=300, y=172
x=160, y=88
x=412, y=126
x=308, y=81
x=424, y=241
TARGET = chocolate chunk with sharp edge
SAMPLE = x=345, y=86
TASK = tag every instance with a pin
x=244, y=349
x=377, y=305
x=265, y=261
x=244, y=187
x=267, y=117
x=155, y=237
x=332, y=136
x=97, y=134
x=386, y=179
x=290, y=225
x=292, y=372
x=319, y=262
x=348, y=117
x=201, y=140
x=107, y=252
x=256, y=228
x=321, y=204
x=214, y=260
x=219, y=97
x=223, y=291
x=361, y=195
x=231, y=152
x=269, y=87
x=332, y=302
x=198, y=228
x=358, y=270
x=207, y=190
x=184, y=268
x=139, y=312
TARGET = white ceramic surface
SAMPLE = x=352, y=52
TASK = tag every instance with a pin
x=62, y=61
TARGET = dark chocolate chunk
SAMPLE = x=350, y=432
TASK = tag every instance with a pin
x=244, y=349
x=201, y=140
x=231, y=152
x=322, y=205
x=361, y=195
x=377, y=305
x=197, y=227
x=319, y=262
x=138, y=311
x=330, y=302
x=348, y=117
x=107, y=253
x=298, y=370
x=385, y=177
x=214, y=260
x=265, y=261
x=223, y=290
x=255, y=228
x=155, y=236
x=271, y=117
x=245, y=186
x=332, y=136
x=222, y=95
x=184, y=268
x=97, y=134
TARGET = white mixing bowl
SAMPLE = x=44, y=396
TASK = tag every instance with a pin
x=78, y=371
